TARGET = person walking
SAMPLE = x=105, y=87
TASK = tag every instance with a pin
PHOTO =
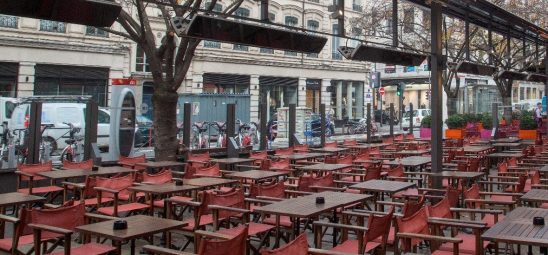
x=538, y=114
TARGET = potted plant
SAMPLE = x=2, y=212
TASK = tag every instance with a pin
x=527, y=126
x=426, y=124
x=487, y=124
x=455, y=124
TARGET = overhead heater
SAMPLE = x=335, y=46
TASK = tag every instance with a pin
x=382, y=55
x=96, y=13
x=246, y=33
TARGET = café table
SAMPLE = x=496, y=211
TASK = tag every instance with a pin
x=407, y=153
x=330, y=150
x=475, y=149
x=303, y=156
x=380, y=187
x=74, y=173
x=15, y=199
x=208, y=182
x=506, y=140
x=137, y=226
x=517, y=228
x=230, y=163
x=535, y=196
x=166, y=189
x=506, y=146
x=322, y=167
x=256, y=175
x=500, y=156
x=365, y=146
x=156, y=166
x=305, y=207
x=454, y=177
x=411, y=162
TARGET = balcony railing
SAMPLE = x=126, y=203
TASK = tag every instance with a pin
x=241, y=47
x=290, y=53
x=267, y=50
x=52, y=26
x=8, y=21
x=212, y=44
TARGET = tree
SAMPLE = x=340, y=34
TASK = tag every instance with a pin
x=169, y=59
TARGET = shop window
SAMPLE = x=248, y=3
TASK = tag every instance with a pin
x=141, y=62
x=52, y=26
x=8, y=21
x=93, y=31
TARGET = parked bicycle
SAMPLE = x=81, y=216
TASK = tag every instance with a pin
x=360, y=127
x=244, y=138
x=73, y=151
x=199, y=138
x=221, y=136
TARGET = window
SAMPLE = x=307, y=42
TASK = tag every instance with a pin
x=212, y=44
x=315, y=26
x=103, y=117
x=335, y=44
x=52, y=26
x=534, y=93
x=357, y=5
x=267, y=50
x=241, y=12
x=141, y=62
x=521, y=93
x=8, y=21
x=272, y=17
x=93, y=31
x=408, y=20
x=291, y=21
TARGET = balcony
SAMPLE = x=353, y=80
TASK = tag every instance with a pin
x=8, y=21
x=212, y=44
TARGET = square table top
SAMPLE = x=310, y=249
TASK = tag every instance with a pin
x=411, y=161
x=231, y=161
x=330, y=149
x=137, y=226
x=163, y=189
x=517, y=228
x=305, y=206
x=257, y=174
x=476, y=148
x=506, y=144
x=505, y=155
x=411, y=152
x=382, y=186
x=160, y=164
x=300, y=156
x=536, y=195
x=206, y=182
x=325, y=167
x=13, y=198
x=459, y=174
x=506, y=140
x=73, y=173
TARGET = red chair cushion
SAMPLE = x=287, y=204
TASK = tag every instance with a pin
x=351, y=247
x=123, y=208
x=5, y=244
x=299, y=246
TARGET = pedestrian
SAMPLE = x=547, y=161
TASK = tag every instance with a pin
x=538, y=114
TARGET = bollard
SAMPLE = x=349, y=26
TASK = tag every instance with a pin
x=411, y=118
x=322, y=124
x=292, y=119
x=368, y=120
x=392, y=120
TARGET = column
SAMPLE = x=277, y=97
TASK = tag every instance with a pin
x=301, y=93
x=326, y=96
x=360, y=95
x=197, y=83
x=339, y=100
x=254, y=102
x=25, y=81
x=349, y=100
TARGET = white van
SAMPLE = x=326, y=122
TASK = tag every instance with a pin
x=7, y=105
x=59, y=113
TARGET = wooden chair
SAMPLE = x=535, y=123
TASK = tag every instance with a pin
x=130, y=162
x=27, y=173
x=85, y=165
x=115, y=188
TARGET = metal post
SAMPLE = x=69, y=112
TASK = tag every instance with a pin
x=391, y=119
x=230, y=120
x=368, y=119
x=467, y=37
x=263, y=121
x=495, y=114
x=395, y=38
x=187, y=111
x=546, y=80
x=436, y=78
x=411, y=118
x=380, y=103
x=400, y=113
x=90, y=135
x=322, y=124
x=35, y=134
x=292, y=120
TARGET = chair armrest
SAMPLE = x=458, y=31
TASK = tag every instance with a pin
x=197, y=161
x=25, y=174
x=296, y=192
x=489, y=211
x=76, y=185
x=53, y=229
x=259, y=201
x=163, y=251
x=429, y=237
x=338, y=225
x=212, y=235
x=389, y=203
x=348, y=183
x=457, y=223
x=315, y=251
x=225, y=172
x=100, y=217
x=205, y=175
x=272, y=199
x=249, y=166
x=539, y=186
x=486, y=201
x=499, y=183
x=226, y=208
x=102, y=189
x=327, y=188
x=6, y=218
x=501, y=194
x=183, y=202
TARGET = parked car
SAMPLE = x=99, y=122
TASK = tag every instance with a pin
x=385, y=117
x=417, y=115
x=143, y=136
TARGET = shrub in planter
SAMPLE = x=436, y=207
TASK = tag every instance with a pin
x=527, y=126
x=487, y=123
x=455, y=123
x=426, y=124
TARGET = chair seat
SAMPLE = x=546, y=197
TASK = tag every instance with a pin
x=88, y=249
x=160, y=203
x=6, y=243
x=93, y=201
x=122, y=208
x=253, y=230
x=204, y=220
x=468, y=244
x=351, y=247
x=285, y=221
x=41, y=190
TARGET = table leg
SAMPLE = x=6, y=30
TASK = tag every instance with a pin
x=2, y=223
x=335, y=220
x=132, y=247
x=277, y=242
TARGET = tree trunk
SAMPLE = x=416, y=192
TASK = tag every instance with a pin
x=165, y=122
x=507, y=103
x=451, y=106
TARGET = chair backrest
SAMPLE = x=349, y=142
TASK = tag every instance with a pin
x=396, y=171
x=387, y=140
x=350, y=142
x=398, y=137
x=416, y=223
x=378, y=226
x=331, y=159
x=258, y=155
x=233, y=198
x=512, y=162
x=132, y=160
x=203, y=157
x=522, y=180
x=472, y=193
x=373, y=172
x=161, y=177
x=33, y=169
x=306, y=181
x=410, y=136
x=272, y=189
x=410, y=207
x=330, y=144
x=280, y=163
x=475, y=164
x=90, y=183
x=299, y=246
x=284, y=151
x=462, y=166
x=535, y=177
x=440, y=210
x=237, y=245
x=86, y=164
x=375, y=150
x=363, y=155
x=502, y=167
x=115, y=183
x=346, y=159
x=300, y=147
x=209, y=169
x=68, y=216
x=453, y=194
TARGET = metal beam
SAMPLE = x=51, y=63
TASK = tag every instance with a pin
x=395, y=40
x=322, y=124
x=35, y=134
x=437, y=98
x=187, y=114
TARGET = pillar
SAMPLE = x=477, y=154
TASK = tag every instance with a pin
x=301, y=93
x=360, y=97
x=326, y=96
x=254, y=98
x=349, y=100
x=197, y=83
x=25, y=83
x=339, y=103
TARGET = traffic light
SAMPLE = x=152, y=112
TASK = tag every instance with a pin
x=337, y=10
x=399, y=91
x=428, y=95
x=375, y=79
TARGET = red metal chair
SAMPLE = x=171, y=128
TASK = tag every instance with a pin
x=474, y=199
x=131, y=161
x=86, y=165
x=60, y=223
x=86, y=192
x=28, y=173
x=299, y=246
x=116, y=189
x=198, y=159
x=161, y=177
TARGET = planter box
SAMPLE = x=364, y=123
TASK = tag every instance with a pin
x=485, y=134
x=426, y=132
x=528, y=134
x=454, y=133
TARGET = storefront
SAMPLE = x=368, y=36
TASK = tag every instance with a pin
x=313, y=94
x=347, y=99
x=226, y=83
x=277, y=92
x=8, y=79
x=72, y=80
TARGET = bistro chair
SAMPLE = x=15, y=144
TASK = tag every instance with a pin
x=130, y=162
x=27, y=173
x=85, y=165
x=350, y=142
x=301, y=148
x=332, y=144
x=198, y=159
x=123, y=200
x=284, y=151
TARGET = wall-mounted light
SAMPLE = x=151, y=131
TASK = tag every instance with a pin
x=27, y=79
x=198, y=85
x=255, y=86
x=303, y=88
